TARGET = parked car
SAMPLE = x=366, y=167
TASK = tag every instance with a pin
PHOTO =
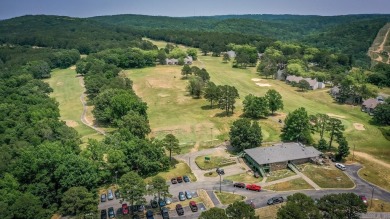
x=182, y=196
x=256, y=175
x=117, y=194
x=174, y=181
x=125, y=208
x=103, y=214
x=253, y=187
x=188, y=195
x=193, y=206
x=165, y=213
x=186, y=179
x=239, y=185
x=136, y=216
x=275, y=200
x=149, y=214
x=103, y=197
x=110, y=195
x=363, y=198
x=168, y=200
x=139, y=208
x=161, y=202
x=154, y=203
x=111, y=212
x=220, y=171
x=179, y=209
x=179, y=179
x=340, y=166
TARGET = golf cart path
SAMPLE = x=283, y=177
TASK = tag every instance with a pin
x=371, y=158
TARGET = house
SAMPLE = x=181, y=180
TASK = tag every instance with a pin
x=314, y=84
x=171, y=61
x=279, y=156
x=335, y=91
x=231, y=54
x=188, y=60
x=369, y=105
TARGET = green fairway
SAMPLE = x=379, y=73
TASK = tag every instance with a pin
x=67, y=90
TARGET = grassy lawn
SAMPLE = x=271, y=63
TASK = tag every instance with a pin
x=181, y=169
x=268, y=212
x=279, y=174
x=228, y=198
x=193, y=123
x=214, y=162
x=378, y=205
x=295, y=184
x=327, y=177
x=244, y=177
x=374, y=173
x=67, y=91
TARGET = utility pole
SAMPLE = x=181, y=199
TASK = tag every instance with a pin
x=372, y=196
x=211, y=132
x=220, y=183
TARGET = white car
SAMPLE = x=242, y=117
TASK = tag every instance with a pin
x=340, y=166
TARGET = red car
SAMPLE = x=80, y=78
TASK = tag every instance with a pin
x=253, y=187
x=363, y=198
x=125, y=209
x=193, y=206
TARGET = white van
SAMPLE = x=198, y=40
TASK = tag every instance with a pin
x=340, y=166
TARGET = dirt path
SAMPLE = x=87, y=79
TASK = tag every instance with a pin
x=83, y=117
x=381, y=46
x=371, y=158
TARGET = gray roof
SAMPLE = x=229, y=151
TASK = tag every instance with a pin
x=281, y=152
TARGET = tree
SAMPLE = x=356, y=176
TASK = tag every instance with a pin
x=267, y=68
x=303, y=85
x=203, y=74
x=322, y=145
x=319, y=123
x=240, y=210
x=213, y=213
x=134, y=124
x=335, y=129
x=342, y=205
x=39, y=69
x=193, y=53
x=343, y=149
x=205, y=48
x=211, y=93
x=297, y=126
x=382, y=113
x=226, y=58
x=34, y=209
x=159, y=186
x=227, y=98
x=186, y=70
x=299, y=206
x=255, y=107
x=171, y=143
x=133, y=188
x=78, y=201
x=195, y=86
x=161, y=56
x=245, y=134
x=275, y=101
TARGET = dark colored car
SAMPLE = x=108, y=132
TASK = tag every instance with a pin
x=103, y=197
x=165, y=213
x=149, y=214
x=220, y=171
x=179, y=209
x=125, y=208
x=193, y=206
x=111, y=212
x=182, y=197
x=139, y=208
x=179, y=179
x=174, y=181
x=161, y=202
x=186, y=179
x=117, y=194
x=103, y=214
x=188, y=195
x=275, y=200
x=363, y=198
x=239, y=185
x=154, y=203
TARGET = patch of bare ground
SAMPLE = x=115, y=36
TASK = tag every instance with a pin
x=335, y=116
x=73, y=67
x=359, y=126
x=71, y=123
x=371, y=158
x=263, y=85
x=256, y=79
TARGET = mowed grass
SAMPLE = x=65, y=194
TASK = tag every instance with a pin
x=279, y=174
x=244, y=177
x=269, y=212
x=228, y=198
x=214, y=162
x=67, y=90
x=378, y=205
x=171, y=110
x=180, y=169
x=327, y=177
x=295, y=184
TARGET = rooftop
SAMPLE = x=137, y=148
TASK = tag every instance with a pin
x=281, y=152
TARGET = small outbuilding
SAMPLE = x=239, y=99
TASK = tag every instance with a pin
x=279, y=156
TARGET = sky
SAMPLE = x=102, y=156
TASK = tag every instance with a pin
x=182, y=8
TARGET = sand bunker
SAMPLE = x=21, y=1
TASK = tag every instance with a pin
x=163, y=95
x=263, y=85
x=59, y=83
x=71, y=123
x=256, y=79
x=359, y=126
x=73, y=67
x=336, y=116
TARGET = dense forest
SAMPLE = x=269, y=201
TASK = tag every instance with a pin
x=41, y=161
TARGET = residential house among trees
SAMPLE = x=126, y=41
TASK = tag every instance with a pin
x=369, y=105
x=279, y=156
x=314, y=84
x=231, y=54
x=187, y=61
